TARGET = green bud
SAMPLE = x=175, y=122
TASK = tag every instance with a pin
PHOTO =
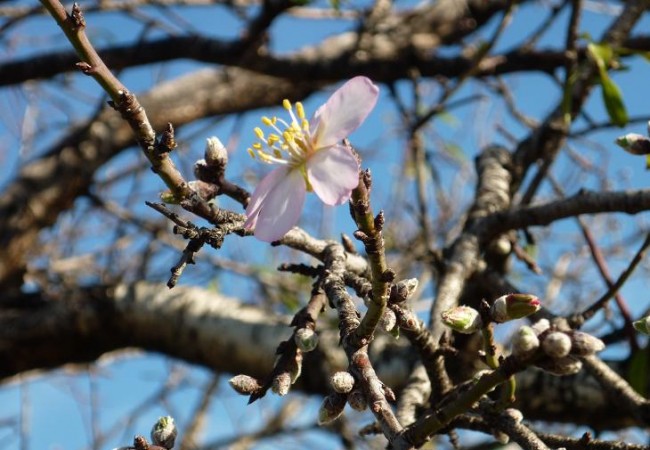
x=634, y=143
x=164, y=432
x=514, y=306
x=306, y=339
x=169, y=198
x=462, y=319
x=642, y=325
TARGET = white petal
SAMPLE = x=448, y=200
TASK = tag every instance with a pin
x=280, y=209
x=344, y=111
x=333, y=173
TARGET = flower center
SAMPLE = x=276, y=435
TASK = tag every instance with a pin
x=288, y=143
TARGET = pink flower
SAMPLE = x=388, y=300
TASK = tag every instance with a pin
x=312, y=158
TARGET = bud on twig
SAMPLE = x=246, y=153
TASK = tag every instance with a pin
x=514, y=306
x=541, y=326
x=244, y=384
x=642, y=325
x=164, y=432
x=306, y=339
x=281, y=383
x=357, y=400
x=569, y=365
x=388, y=320
x=331, y=408
x=556, y=344
x=525, y=341
x=463, y=319
x=584, y=344
x=342, y=382
x=215, y=152
x=634, y=143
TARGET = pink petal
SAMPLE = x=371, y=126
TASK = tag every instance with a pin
x=333, y=173
x=261, y=192
x=278, y=206
x=344, y=111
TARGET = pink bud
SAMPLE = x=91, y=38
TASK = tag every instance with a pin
x=514, y=306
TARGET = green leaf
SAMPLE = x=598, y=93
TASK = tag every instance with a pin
x=613, y=100
x=602, y=54
x=639, y=370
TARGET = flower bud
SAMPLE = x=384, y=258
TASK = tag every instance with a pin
x=634, y=143
x=514, y=306
x=642, y=325
x=306, y=339
x=164, y=432
x=583, y=344
x=568, y=365
x=281, y=383
x=215, y=152
x=244, y=384
x=331, y=408
x=541, y=326
x=463, y=319
x=357, y=400
x=556, y=344
x=403, y=290
x=524, y=341
x=342, y=382
x=388, y=320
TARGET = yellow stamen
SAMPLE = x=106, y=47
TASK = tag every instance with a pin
x=251, y=153
x=266, y=121
x=300, y=110
x=259, y=133
x=257, y=146
x=286, y=104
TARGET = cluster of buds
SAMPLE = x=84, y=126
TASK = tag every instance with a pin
x=553, y=349
x=467, y=320
x=345, y=391
x=643, y=325
x=163, y=436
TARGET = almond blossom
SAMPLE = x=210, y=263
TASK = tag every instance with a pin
x=311, y=158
